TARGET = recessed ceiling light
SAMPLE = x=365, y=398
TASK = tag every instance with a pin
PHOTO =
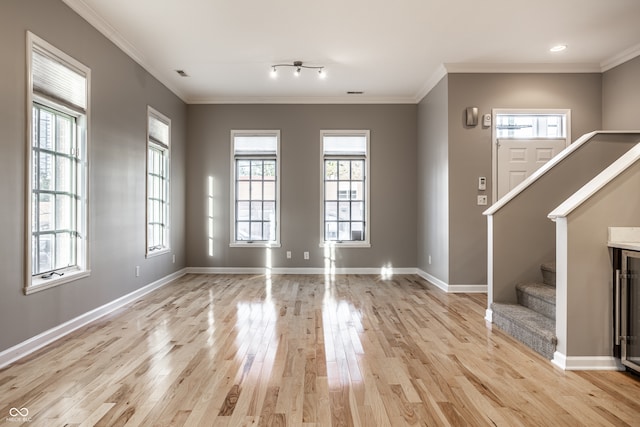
x=558, y=48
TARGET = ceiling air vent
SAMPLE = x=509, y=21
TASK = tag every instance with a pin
x=182, y=73
x=355, y=92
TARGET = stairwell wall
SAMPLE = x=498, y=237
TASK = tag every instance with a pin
x=621, y=96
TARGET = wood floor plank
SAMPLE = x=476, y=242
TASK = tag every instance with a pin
x=306, y=350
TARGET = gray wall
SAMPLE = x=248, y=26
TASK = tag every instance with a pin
x=621, y=96
x=470, y=148
x=392, y=180
x=433, y=182
x=120, y=93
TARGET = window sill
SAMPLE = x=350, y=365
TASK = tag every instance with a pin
x=254, y=245
x=345, y=244
x=38, y=284
x=158, y=252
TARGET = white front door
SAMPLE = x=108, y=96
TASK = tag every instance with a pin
x=524, y=140
x=519, y=158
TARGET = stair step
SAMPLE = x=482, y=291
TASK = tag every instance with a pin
x=548, y=270
x=538, y=297
x=536, y=331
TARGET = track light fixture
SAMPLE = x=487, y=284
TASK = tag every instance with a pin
x=298, y=66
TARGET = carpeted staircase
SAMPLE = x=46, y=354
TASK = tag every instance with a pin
x=533, y=319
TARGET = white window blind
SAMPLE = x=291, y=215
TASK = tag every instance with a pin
x=58, y=81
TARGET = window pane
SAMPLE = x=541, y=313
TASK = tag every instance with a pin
x=63, y=212
x=243, y=167
x=46, y=179
x=64, y=135
x=344, y=169
x=256, y=190
x=268, y=231
x=330, y=211
x=269, y=209
x=63, y=174
x=45, y=253
x=269, y=190
x=242, y=231
x=45, y=211
x=357, y=210
x=256, y=170
x=331, y=231
x=242, y=212
x=357, y=170
x=256, y=211
x=331, y=190
x=344, y=232
x=357, y=191
x=63, y=250
x=344, y=190
x=45, y=130
x=331, y=170
x=243, y=191
x=270, y=170
x=357, y=231
x=530, y=125
x=256, y=231
x=344, y=211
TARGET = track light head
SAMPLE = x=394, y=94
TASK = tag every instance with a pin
x=298, y=69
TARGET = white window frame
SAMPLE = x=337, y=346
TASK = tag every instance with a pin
x=37, y=282
x=165, y=148
x=275, y=243
x=366, y=242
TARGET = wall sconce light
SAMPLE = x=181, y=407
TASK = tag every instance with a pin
x=298, y=66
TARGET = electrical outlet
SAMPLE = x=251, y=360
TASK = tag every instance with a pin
x=429, y=259
x=482, y=200
x=174, y=258
x=288, y=254
x=306, y=255
x=137, y=271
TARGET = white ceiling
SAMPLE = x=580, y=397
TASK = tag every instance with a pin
x=393, y=51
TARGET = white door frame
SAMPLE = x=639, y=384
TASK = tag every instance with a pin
x=494, y=136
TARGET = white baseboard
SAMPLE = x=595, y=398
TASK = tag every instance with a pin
x=488, y=315
x=461, y=289
x=296, y=270
x=586, y=363
x=34, y=343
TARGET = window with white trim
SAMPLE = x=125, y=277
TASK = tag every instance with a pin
x=158, y=161
x=345, y=187
x=256, y=188
x=57, y=222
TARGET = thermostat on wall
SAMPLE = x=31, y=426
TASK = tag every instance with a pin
x=486, y=120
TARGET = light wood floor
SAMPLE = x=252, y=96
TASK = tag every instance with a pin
x=222, y=350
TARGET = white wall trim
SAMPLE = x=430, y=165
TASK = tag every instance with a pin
x=586, y=363
x=35, y=343
x=488, y=315
x=621, y=58
x=295, y=270
x=452, y=289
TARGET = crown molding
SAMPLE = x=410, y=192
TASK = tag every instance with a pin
x=433, y=80
x=453, y=68
x=96, y=21
x=621, y=58
x=349, y=99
